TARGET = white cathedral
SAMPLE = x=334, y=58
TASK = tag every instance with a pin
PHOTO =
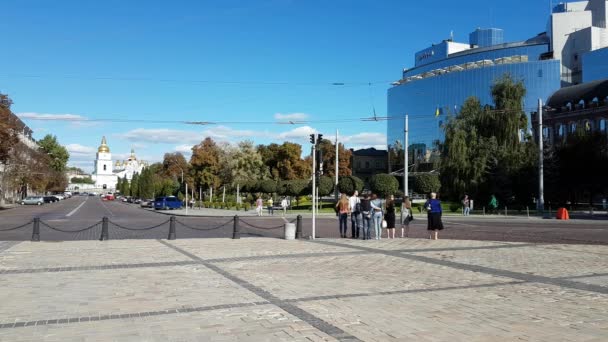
x=106, y=173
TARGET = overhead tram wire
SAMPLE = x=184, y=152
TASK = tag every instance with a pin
x=344, y=84
x=375, y=118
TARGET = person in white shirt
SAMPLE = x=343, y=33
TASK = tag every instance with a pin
x=284, y=205
x=354, y=204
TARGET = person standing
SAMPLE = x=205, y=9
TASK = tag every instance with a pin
x=284, y=205
x=366, y=217
x=390, y=217
x=493, y=205
x=354, y=206
x=376, y=205
x=466, y=206
x=406, y=216
x=343, y=211
x=270, y=203
x=433, y=206
x=259, y=204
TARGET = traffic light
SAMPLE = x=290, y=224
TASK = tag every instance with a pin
x=312, y=139
x=319, y=137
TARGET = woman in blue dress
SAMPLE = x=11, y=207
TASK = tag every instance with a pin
x=433, y=207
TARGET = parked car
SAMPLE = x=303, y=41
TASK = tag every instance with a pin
x=137, y=201
x=60, y=197
x=50, y=199
x=107, y=197
x=147, y=203
x=33, y=200
x=168, y=202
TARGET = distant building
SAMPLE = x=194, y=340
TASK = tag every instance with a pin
x=106, y=173
x=368, y=162
x=580, y=107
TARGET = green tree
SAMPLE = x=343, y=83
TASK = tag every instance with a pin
x=384, y=184
x=482, y=153
x=426, y=183
x=8, y=132
x=125, y=187
x=326, y=186
x=135, y=185
x=268, y=186
x=118, y=185
x=82, y=180
x=58, y=154
x=349, y=184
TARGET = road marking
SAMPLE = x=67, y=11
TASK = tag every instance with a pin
x=78, y=207
x=106, y=208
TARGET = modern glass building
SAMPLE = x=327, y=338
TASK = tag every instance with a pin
x=572, y=50
x=595, y=65
x=441, y=81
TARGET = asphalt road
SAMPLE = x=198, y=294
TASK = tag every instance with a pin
x=79, y=218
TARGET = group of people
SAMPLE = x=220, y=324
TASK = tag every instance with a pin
x=259, y=206
x=373, y=214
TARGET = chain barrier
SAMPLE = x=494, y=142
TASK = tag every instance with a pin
x=42, y=223
x=293, y=221
x=139, y=229
x=204, y=229
x=18, y=227
x=258, y=227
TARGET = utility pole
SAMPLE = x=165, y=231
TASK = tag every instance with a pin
x=314, y=185
x=337, y=167
x=541, y=178
x=406, y=159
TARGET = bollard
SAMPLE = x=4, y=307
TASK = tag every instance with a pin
x=591, y=211
x=528, y=211
x=171, y=228
x=299, y=227
x=104, y=229
x=484, y=211
x=36, y=230
x=236, y=233
x=505, y=210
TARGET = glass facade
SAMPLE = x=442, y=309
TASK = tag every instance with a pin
x=486, y=37
x=446, y=92
x=595, y=65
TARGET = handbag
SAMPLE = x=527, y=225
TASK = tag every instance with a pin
x=384, y=224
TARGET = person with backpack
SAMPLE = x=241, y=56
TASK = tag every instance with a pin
x=354, y=205
x=366, y=217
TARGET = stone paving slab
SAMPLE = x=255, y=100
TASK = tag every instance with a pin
x=502, y=313
x=275, y=290
x=536, y=260
x=114, y=292
x=258, y=323
x=217, y=249
x=85, y=253
x=352, y=274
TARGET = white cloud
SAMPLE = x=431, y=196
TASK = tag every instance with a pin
x=227, y=134
x=161, y=136
x=291, y=116
x=51, y=117
x=79, y=149
x=183, y=149
x=297, y=134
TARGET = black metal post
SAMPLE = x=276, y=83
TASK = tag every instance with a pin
x=299, y=227
x=171, y=228
x=236, y=233
x=36, y=230
x=104, y=229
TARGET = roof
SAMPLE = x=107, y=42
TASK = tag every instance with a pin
x=574, y=94
x=370, y=152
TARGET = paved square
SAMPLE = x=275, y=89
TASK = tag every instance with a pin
x=259, y=289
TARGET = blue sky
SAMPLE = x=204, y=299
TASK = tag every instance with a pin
x=225, y=61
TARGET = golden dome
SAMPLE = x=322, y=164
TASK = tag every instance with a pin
x=103, y=148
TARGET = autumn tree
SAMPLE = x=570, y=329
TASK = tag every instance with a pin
x=8, y=134
x=329, y=159
x=205, y=163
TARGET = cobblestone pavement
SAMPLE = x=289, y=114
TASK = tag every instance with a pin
x=263, y=289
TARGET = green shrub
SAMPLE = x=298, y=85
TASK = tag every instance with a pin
x=455, y=207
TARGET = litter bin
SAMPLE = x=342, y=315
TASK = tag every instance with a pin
x=290, y=231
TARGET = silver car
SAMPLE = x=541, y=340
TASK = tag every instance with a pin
x=33, y=200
